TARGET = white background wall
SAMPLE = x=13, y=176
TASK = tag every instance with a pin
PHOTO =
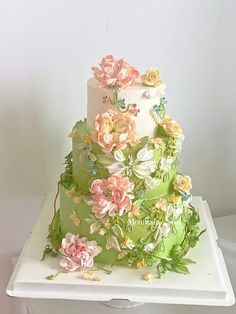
x=46, y=50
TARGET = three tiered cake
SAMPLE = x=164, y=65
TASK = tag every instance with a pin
x=122, y=201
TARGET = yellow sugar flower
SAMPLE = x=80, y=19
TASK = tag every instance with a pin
x=183, y=184
x=124, y=244
x=122, y=254
x=141, y=264
x=171, y=127
x=175, y=199
x=151, y=78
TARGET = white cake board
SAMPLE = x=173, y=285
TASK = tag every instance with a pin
x=208, y=283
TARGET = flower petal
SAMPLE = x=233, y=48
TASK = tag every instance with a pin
x=119, y=155
x=112, y=243
x=95, y=227
x=145, y=154
x=116, y=168
x=106, y=159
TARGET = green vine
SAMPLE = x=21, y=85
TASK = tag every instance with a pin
x=66, y=176
x=53, y=276
x=103, y=268
x=120, y=102
x=177, y=262
x=54, y=236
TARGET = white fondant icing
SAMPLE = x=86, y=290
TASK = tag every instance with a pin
x=145, y=125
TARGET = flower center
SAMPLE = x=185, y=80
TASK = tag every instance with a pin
x=108, y=193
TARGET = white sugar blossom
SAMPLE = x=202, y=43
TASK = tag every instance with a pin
x=166, y=163
x=164, y=230
x=141, y=167
x=178, y=143
x=145, y=154
x=152, y=182
x=161, y=232
x=175, y=209
x=112, y=243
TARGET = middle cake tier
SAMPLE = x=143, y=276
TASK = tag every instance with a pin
x=150, y=164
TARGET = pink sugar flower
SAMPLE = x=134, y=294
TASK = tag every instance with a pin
x=78, y=253
x=115, y=72
x=114, y=130
x=111, y=196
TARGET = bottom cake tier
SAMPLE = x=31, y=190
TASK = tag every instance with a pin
x=132, y=233
x=161, y=234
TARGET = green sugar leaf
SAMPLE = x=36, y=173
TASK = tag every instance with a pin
x=118, y=231
x=55, y=235
x=187, y=261
x=94, y=227
x=143, y=141
x=182, y=269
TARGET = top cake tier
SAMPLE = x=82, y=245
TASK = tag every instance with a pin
x=137, y=98
x=118, y=86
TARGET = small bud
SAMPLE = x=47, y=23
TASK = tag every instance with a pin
x=147, y=276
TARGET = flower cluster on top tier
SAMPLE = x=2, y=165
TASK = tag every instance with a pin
x=78, y=253
x=111, y=196
x=114, y=130
x=115, y=72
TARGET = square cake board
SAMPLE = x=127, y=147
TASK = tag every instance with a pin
x=207, y=284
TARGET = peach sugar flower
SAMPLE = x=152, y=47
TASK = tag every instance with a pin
x=157, y=142
x=114, y=130
x=111, y=196
x=78, y=253
x=115, y=72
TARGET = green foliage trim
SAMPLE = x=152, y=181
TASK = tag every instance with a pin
x=177, y=262
x=66, y=177
x=54, y=237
